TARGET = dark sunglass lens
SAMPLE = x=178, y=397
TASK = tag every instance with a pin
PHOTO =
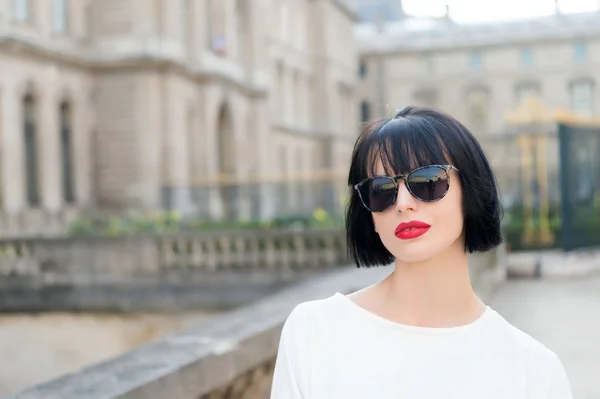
x=429, y=184
x=379, y=193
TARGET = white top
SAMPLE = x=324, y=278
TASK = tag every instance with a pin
x=335, y=349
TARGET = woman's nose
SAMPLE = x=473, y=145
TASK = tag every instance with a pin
x=405, y=200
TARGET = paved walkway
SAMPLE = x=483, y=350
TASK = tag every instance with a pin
x=563, y=314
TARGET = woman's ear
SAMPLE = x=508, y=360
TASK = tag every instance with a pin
x=374, y=224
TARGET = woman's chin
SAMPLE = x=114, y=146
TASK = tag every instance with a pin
x=413, y=253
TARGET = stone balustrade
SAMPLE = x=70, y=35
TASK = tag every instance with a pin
x=231, y=355
x=37, y=222
x=207, y=270
x=206, y=252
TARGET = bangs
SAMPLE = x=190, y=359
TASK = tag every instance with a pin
x=400, y=146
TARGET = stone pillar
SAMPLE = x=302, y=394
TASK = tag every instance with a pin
x=242, y=131
x=267, y=193
x=49, y=142
x=177, y=195
x=13, y=160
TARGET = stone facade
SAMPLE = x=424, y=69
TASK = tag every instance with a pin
x=137, y=104
x=479, y=72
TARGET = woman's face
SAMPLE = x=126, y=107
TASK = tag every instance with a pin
x=444, y=218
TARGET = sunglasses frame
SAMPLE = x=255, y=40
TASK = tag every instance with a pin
x=405, y=177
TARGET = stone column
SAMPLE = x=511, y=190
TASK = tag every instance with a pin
x=176, y=190
x=50, y=145
x=13, y=160
x=151, y=124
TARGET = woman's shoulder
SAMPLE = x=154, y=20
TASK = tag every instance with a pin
x=539, y=358
x=311, y=315
x=315, y=308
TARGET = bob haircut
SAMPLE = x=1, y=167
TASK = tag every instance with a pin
x=419, y=137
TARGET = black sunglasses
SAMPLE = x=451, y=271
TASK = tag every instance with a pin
x=427, y=183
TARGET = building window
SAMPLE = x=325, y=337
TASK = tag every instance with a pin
x=582, y=98
x=21, y=10
x=475, y=61
x=59, y=11
x=526, y=57
x=526, y=91
x=66, y=140
x=31, y=155
x=365, y=111
x=580, y=52
x=478, y=106
x=362, y=69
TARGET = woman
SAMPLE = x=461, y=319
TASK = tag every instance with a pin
x=423, y=198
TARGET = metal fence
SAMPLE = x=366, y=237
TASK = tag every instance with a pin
x=580, y=185
x=549, y=181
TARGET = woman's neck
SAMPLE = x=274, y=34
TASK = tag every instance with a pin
x=433, y=293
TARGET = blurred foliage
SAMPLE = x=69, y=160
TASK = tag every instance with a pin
x=172, y=222
x=585, y=222
x=514, y=227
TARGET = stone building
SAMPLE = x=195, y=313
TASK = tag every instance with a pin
x=478, y=72
x=139, y=104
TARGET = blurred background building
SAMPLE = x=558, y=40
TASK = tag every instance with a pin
x=477, y=72
x=195, y=106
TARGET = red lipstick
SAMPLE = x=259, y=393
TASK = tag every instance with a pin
x=413, y=229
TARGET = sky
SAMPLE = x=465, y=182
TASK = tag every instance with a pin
x=474, y=11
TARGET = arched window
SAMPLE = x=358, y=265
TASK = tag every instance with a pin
x=31, y=154
x=66, y=141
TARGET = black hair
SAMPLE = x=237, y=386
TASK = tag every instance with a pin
x=418, y=136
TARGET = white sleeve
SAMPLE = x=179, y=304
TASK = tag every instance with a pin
x=560, y=387
x=287, y=382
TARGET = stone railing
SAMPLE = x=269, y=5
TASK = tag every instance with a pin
x=37, y=222
x=239, y=251
x=216, y=270
x=229, y=356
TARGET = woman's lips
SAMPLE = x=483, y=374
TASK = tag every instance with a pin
x=410, y=230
